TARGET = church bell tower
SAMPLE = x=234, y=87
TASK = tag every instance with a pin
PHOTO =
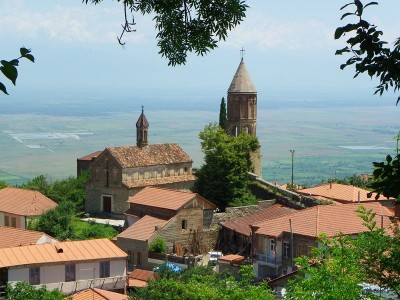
x=142, y=127
x=242, y=110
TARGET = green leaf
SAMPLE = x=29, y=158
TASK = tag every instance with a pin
x=9, y=71
x=24, y=51
x=30, y=57
x=14, y=62
x=3, y=88
x=346, y=14
x=371, y=3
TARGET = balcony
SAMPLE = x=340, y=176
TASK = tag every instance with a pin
x=269, y=259
x=67, y=288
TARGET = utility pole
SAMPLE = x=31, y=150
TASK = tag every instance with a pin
x=292, y=151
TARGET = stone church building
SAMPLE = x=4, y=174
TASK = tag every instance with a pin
x=118, y=173
x=242, y=110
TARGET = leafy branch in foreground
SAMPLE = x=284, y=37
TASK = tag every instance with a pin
x=370, y=54
x=186, y=25
x=9, y=68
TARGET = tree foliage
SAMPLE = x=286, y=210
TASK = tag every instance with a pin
x=23, y=291
x=369, y=53
x=223, y=119
x=158, y=245
x=201, y=283
x=9, y=67
x=338, y=267
x=3, y=184
x=68, y=189
x=386, y=177
x=186, y=26
x=223, y=177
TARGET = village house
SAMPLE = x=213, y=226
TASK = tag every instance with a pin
x=178, y=217
x=17, y=206
x=343, y=193
x=236, y=234
x=139, y=278
x=118, y=173
x=68, y=266
x=96, y=294
x=14, y=237
x=278, y=241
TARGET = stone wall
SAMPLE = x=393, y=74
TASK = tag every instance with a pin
x=160, y=171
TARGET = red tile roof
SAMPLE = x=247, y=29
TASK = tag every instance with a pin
x=99, y=249
x=230, y=258
x=159, y=181
x=143, y=229
x=328, y=219
x=151, y=155
x=139, y=278
x=90, y=156
x=14, y=237
x=242, y=224
x=24, y=202
x=167, y=198
x=338, y=192
x=97, y=294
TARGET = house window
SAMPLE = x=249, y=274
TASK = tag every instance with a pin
x=286, y=249
x=272, y=246
x=139, y=258
x=70, y=272
x=6, y=221
x=104, y=269
x=184, y=224
x=34, y=276
x=131, y=257
x=13, y=222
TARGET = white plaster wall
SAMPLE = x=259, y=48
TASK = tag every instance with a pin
x=50, y=274
x=22, y=222
x=45, y=239
x=117, y=268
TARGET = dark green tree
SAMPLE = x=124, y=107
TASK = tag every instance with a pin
x=9, y=67
x=23, y=291
x=158, y=245
x=3, y=184
x=369, y=54
x=223, y=119
x=185, y=26
x=223, y=178
x=386, y=177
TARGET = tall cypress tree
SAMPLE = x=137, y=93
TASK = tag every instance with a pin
x=223, y=120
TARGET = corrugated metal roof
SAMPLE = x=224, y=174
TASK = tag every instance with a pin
x=339, y=192
x=14, y=237
x=241, y=82
x=24, y=202
x=242, y=224
x=143, y=229
x=150, y=155
x=328, y=219
x=97, y=294
x=61, y=252
x=166, y=198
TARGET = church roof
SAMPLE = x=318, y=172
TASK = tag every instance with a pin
x=142, y=121
x=151, y=155
x=241, y=82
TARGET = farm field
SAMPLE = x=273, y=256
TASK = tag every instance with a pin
x=328, y=142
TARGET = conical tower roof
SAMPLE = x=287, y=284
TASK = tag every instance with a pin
x=142, y=121
x=241, y=82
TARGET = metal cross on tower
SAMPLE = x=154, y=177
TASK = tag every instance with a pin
x=242, y=53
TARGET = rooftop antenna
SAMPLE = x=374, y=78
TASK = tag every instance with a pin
x=242, y=53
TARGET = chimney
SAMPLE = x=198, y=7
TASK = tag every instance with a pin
x=359, y=196
x=330, y=184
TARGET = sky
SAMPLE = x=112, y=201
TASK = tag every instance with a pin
x=289, y=52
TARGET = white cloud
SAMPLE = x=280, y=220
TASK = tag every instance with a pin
x=70, y=23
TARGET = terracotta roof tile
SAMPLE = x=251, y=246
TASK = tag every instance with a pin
x=97, y=294
x=14, y=237
x=339, y=192
x=143, y=229
x=230, y=258
x=160, y=181
x=242, y=224
x=90, y=156
x=139, y=278
x=24, y=202
x=167, y=198
x=71, y=251
x=151, y=155
x=328, y=219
